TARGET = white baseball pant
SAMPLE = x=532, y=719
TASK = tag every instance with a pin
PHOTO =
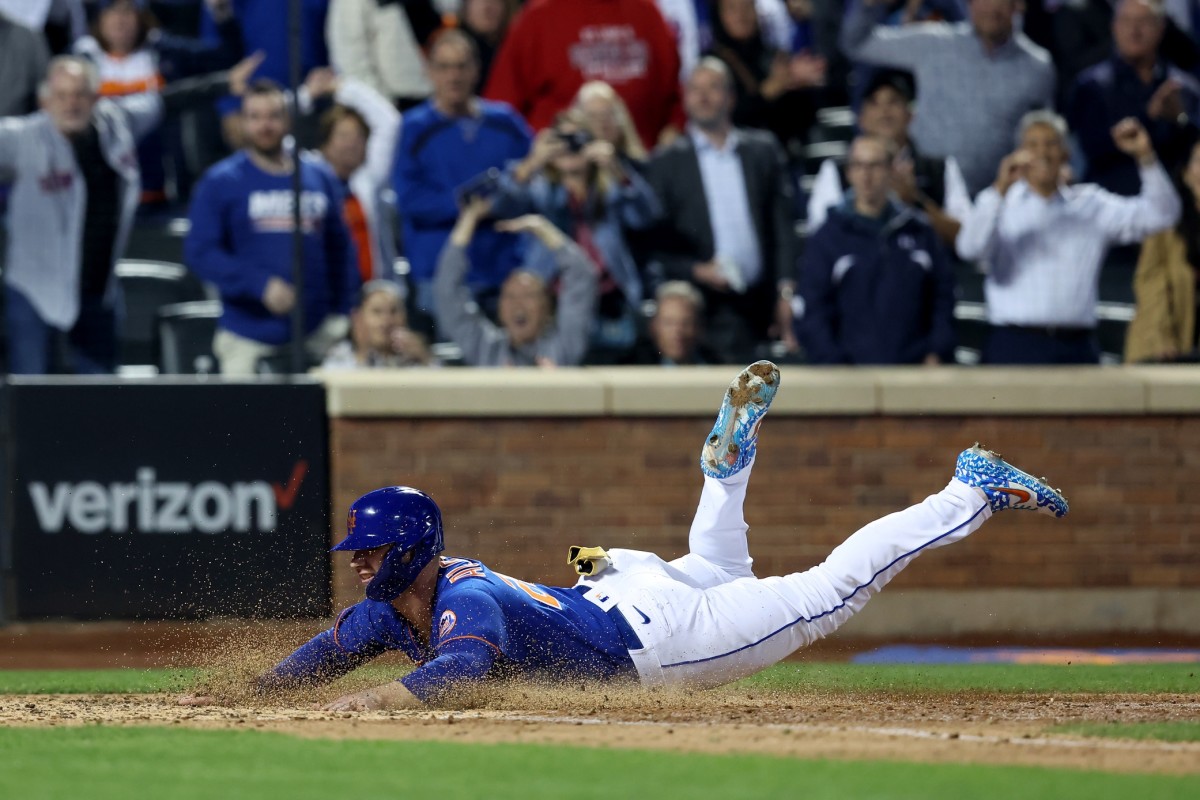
x=705, y=620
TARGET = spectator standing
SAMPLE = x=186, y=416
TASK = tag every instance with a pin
x=132, y=55
x=676, y=329
x=607, y=118
x=266, y=29
x=555, y=46
x=73, y=199
x=446, y=142
x=727, y=218
x=486, y=22
x=357, y=141
x=1041, y=242
x=875, y=283
x=933, y=185
x=375, y=43
x=531, y=332
x=1165, y=284
x=974, y=80
x=241, y=241
x=23, y=60
x=379, y=333
x=1133, y=82
x=582, y=185
x=775, y=89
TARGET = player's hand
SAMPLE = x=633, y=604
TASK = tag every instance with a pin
x=1014, y=167
x=359, y=701
x=1131, y=139
x=388, y=696
x=197, y=700
x=279, y=296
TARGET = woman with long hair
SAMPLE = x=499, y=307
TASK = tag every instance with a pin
x=1165, y=283
x=582, y=174
x=775, y=90
x=132, y=54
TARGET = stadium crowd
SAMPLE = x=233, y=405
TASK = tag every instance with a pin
x=564, y=182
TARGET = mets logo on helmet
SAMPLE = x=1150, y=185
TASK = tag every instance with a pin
x=446, y=624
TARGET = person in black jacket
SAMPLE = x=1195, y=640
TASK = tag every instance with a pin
x=875, y=284
x=728, y=219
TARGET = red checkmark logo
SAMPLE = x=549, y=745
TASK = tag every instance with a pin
x=285, y=496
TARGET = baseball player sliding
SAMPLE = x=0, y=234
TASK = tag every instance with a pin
x=700, y=620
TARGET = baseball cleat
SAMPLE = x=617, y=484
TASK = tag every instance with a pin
x=1006, y=486
x=731, y=445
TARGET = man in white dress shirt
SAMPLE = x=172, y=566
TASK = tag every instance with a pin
x=1041, y=243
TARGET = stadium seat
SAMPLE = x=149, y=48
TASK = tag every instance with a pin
x=185, y=337
x=148, y=286
x=970, y=324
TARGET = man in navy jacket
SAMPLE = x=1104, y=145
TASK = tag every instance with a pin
x=875, y=284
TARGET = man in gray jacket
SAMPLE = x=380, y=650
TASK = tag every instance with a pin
x=70, y=212
x=71, y=209
x=530, y=333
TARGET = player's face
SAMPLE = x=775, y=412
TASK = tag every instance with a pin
x=993, y=19
x=1047, y=153
x=708, y=99
x=264, y=122
x=885, y=113
x=375, y=320
x=366, y=562
x=524, y=308
x=869, y=170
x=675, y=330
x=69, y=100
x=453, y=73
x=1137, y=30
x=346, y=149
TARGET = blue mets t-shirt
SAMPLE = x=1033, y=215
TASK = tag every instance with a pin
x=484, y=625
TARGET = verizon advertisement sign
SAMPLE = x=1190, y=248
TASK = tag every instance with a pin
x=181, y=500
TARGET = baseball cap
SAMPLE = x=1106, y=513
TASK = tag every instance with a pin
x=901, y=82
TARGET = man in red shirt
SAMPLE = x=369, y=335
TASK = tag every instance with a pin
x=555, y=46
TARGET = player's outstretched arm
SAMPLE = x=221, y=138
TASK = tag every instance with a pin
x=388, y=697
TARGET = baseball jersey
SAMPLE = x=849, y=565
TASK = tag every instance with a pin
x=241, y=236
x=485, y=625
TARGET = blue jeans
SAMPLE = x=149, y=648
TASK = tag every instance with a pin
x=37, y=348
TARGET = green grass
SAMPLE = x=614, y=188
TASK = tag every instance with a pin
x=833, y=677
x=1159, y=731
x=788, y=677
x=93, y=681
x=174, y=763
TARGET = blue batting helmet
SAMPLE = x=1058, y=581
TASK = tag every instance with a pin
x=400, y=516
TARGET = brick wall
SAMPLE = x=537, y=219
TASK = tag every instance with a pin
x=516, y=492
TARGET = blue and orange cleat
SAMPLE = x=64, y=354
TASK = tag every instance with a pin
x=731, y=445
x=1005, y=485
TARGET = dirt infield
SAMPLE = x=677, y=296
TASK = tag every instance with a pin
x=959, y=728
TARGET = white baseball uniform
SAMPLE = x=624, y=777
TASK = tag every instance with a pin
x=704, y=619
